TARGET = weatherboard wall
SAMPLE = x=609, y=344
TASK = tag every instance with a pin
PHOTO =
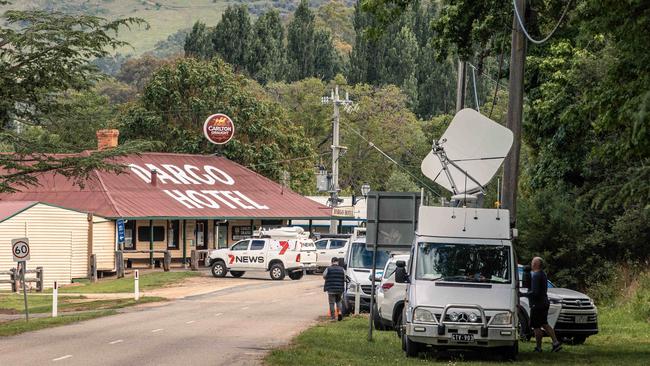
x=58, y=241
x=104, y=243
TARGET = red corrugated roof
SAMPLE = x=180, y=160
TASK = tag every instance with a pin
x=10, y=208
x=204, y=186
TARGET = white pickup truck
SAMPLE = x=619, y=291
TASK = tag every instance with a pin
x=279, y=257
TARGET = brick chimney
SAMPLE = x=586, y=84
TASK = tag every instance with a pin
x=107, y=139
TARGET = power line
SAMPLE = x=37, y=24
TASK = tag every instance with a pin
x=372, y=144
x=287, y=160
x=523, y=28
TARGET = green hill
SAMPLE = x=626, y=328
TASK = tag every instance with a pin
x=165, y=17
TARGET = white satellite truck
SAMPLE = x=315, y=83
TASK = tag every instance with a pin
x=462, y=276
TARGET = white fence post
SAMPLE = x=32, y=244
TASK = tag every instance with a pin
x=136, y=278
x=357, y=300
x=55, y=300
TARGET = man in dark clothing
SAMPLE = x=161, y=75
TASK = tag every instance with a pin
x=539, y=304
x=334, y=277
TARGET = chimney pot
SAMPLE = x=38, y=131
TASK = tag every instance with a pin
x=107, y=139
x=154, y=177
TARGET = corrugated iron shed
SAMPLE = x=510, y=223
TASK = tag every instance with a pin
x=185, y=186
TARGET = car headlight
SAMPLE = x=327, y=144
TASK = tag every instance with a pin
x=352, y=287
x=421, y=315
x=472, y=317
x=502, y=319
x=454, y=317
x=554, y=301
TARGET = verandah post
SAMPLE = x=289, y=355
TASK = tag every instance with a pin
x=184, y=247
x=150, y=243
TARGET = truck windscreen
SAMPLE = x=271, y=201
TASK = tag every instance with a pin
x=463, y=263
x=360, y=257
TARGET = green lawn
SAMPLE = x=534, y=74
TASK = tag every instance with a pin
x=624, y=339
x=21, y=326
x=14, y=303
x=148, y=281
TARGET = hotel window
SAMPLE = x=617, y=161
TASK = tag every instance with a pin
x=158, y=233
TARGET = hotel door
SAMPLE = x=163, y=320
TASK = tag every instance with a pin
x=221, y=235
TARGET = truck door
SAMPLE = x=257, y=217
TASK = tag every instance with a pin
x=237, y=258
x=256, y=254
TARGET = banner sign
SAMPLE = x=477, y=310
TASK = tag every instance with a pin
x=218, y=129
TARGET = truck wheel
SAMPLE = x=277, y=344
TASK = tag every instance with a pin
x=296, y=275
x=237, y=274
x=510, y=353
x=576, y=340
x=219, y=269
x=411, y=348
x=277, y=272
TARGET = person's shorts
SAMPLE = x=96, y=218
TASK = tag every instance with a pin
x=538, y=316
x=334, y=298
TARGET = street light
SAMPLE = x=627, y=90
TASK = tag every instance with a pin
x=365, y=189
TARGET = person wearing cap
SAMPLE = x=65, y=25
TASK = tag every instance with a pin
x=539, y=305
x=334, y=276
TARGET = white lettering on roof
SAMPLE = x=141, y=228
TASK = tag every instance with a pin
x=190, y=170
x=162, y=176
x=216, y=195
x=202, y=199
x=180, y=174
x=182, y=198
x=141, y=172
x=219, y=175
x=199, y=199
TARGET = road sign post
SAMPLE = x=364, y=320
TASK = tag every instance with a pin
x=55, y=300
x=121, y=237
x=20, y=251
x=136, y=285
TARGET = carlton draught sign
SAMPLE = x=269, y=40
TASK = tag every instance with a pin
x=218, y=129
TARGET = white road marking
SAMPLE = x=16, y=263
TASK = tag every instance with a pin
x=61, y=358
x=157, y=330
x=244, y=308
x=190, y=322
x=218, y=314
x=309, y=293
x=276, y=300
x=116, y=341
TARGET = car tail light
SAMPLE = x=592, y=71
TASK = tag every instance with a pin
x=387, y=286
x=298, y=257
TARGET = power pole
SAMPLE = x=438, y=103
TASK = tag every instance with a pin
x=334, y=192
x=460, y=86
x=515, y=113
x=336, y=149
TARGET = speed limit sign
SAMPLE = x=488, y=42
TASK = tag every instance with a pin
x=20, y=249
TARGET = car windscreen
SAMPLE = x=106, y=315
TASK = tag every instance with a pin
x=360, y=257
x=463, y=262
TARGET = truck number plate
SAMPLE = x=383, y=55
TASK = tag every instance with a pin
x=581, y=318
x=462, y=337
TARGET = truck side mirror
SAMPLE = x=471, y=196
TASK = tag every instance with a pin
x=342, y=263
x=400, y=272
x=377, y=277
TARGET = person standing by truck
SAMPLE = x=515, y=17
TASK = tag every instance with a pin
x=539, y=305
x=334, y=276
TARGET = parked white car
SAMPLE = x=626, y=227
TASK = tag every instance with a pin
x=279, y=257
x=327, y=248
x=390, y=297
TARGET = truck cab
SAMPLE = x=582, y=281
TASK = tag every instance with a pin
x=358, y=268
x=461, y=282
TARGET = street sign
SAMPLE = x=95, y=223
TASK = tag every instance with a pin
x=120, y=231
x=218, y=129
x=343, y=211
x=20, y=249
x=392, y=219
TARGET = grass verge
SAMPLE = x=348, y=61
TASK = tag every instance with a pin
x=20, y=326
x=624, y=339
x=14, y=303
x=148, y=281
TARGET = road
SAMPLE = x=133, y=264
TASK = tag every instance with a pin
x=235, y=326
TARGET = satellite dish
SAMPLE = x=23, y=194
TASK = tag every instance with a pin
x=468, y=154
